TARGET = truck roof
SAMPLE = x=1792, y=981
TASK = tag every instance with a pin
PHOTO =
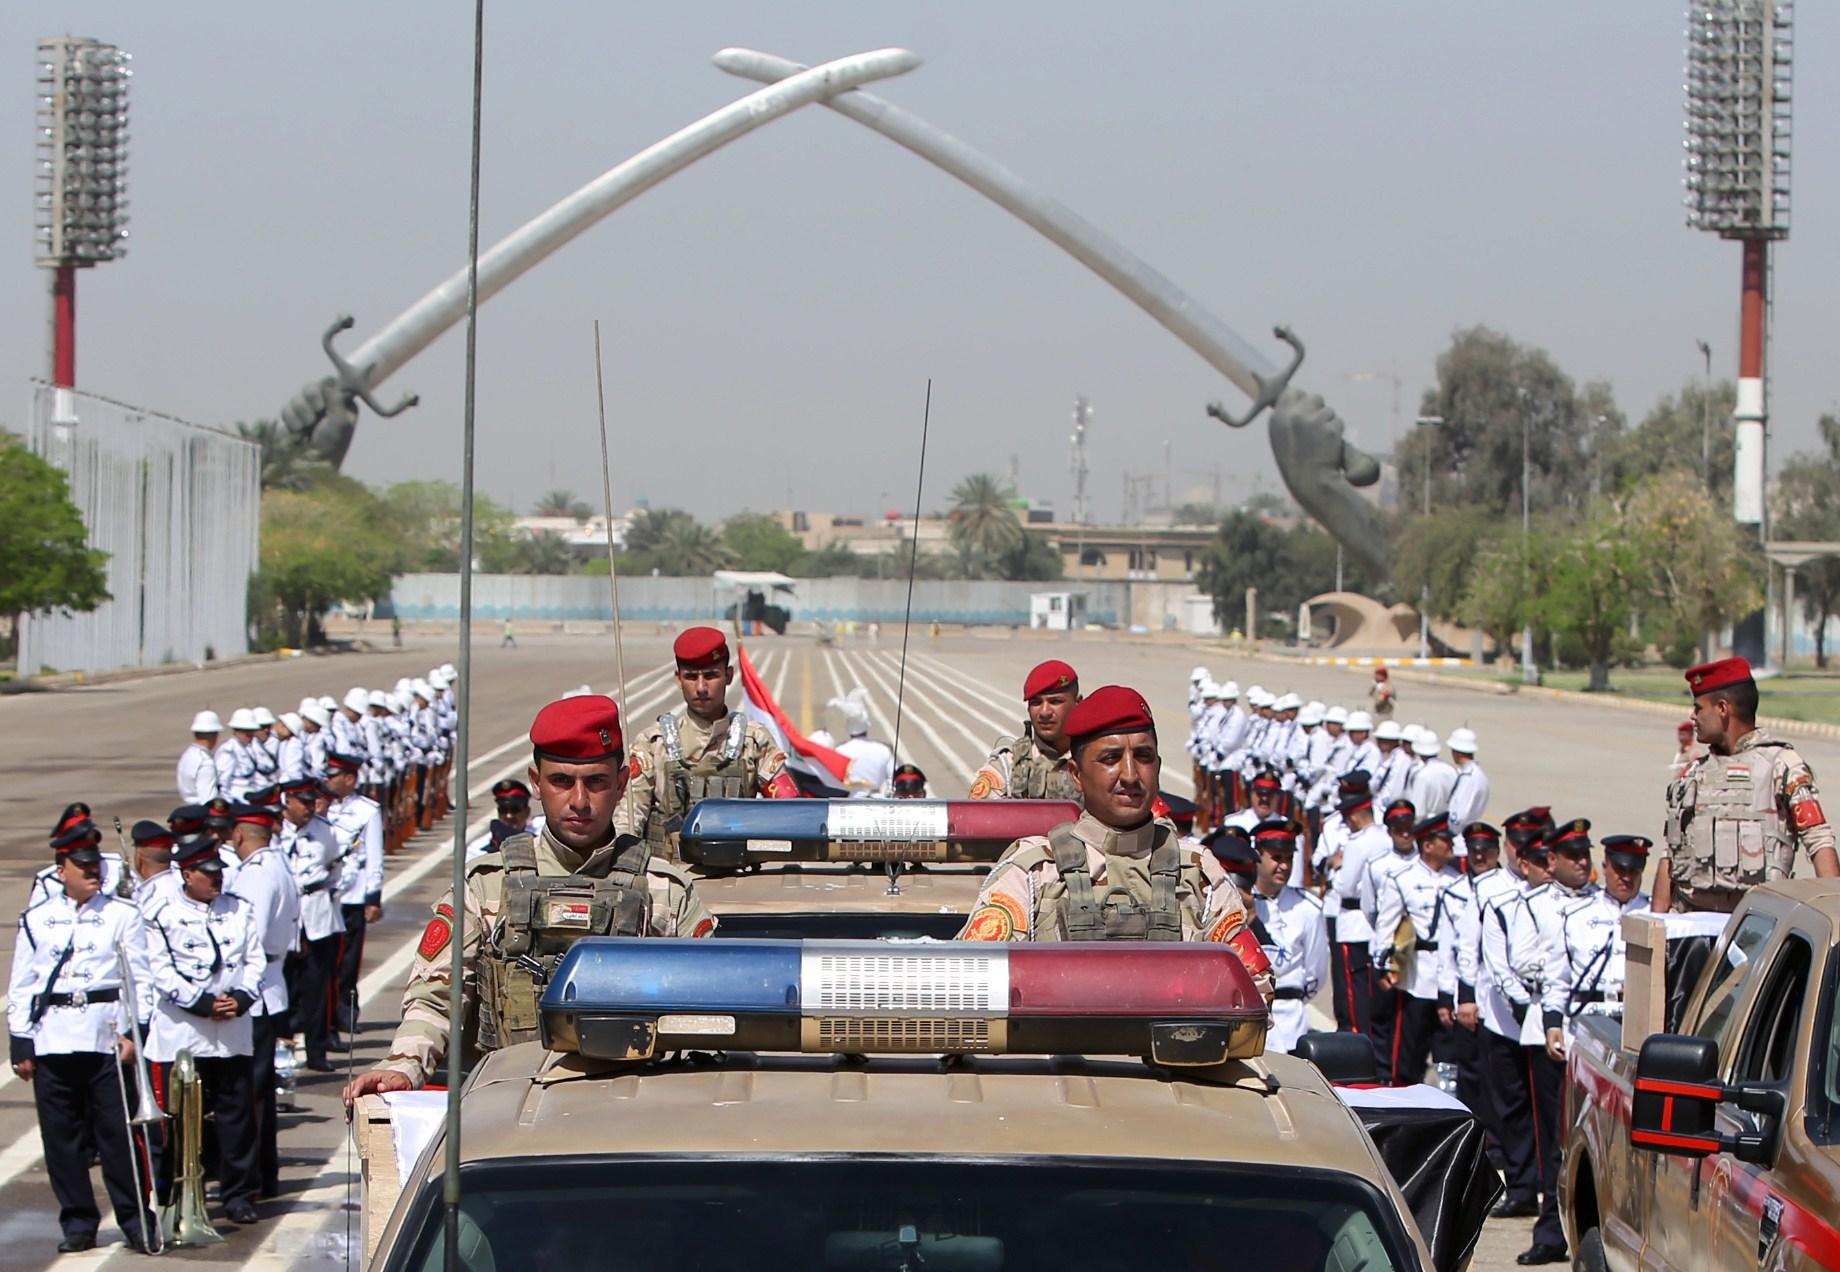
x=526, y=1101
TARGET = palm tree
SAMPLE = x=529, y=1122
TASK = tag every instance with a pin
x=689, y=550
x=563, y=503
x=542, y=553
x=982, y=519
x=651, y=526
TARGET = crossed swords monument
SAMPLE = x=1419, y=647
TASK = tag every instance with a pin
x=1319, y=466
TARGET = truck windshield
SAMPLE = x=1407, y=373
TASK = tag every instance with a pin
x=872, y=1213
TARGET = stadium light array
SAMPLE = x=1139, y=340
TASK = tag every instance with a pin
x=81, y=199
x=1740, y=79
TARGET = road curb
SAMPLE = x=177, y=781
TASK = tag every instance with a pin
x=84, y=679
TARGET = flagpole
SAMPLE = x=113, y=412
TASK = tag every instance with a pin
x=913, y=562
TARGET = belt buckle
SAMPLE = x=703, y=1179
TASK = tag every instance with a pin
x=79, y=998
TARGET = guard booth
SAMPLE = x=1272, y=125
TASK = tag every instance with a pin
x=1057, y=611
x=756, y=600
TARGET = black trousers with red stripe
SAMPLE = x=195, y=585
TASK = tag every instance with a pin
x=351, y=958
x=1544, y=1077
x=1383, y=1014
x=309, y=973
x=1351, y=983
x=79, y=1103
x=1504, y=1074
x=1413, y=1035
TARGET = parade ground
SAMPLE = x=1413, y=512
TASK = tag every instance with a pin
x=115, y=746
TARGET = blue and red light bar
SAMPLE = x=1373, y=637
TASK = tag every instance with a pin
x=727, y=833
x=627, y=998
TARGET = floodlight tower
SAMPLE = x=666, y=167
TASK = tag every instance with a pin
x=81, y=200
x=1076, y=459
x=1739, y=81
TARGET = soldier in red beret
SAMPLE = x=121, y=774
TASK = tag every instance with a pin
x=702, y=752
x=1737, y=814
x=1035, y=765
x=577, y=877
x=1116, y=873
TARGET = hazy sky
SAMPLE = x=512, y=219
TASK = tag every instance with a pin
x=1375, y=174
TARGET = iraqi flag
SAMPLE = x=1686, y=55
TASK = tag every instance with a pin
x=819, y=764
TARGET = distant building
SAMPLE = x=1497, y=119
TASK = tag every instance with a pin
x=587, y=539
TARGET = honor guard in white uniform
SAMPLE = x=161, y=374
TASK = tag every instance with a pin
x=357, y=822
x=1429, y=789
x=205, y=952
x=290, y=748
x=267, y=746
x=1361, y=842
x=1408, y=936
x=69, y=1026
x=1469, y=794
x=266, y=882
x=154, y=877
x=197, y=774
x=1535, y=936
x=115, y=880
x=1363, y=751
x=1399, y=818
x=315, y=857
x=1459, y=957
x=237, y=773
x=1393, y=772
x=1290, y=930
x=1588, y=974
x=314, y=736
x=347, y=733
x=1264, y=800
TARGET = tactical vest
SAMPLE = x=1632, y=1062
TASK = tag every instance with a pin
x=722, y=773
x=1724, y=832
x=540, y=916
x=1033, y=776
x=1118, y=914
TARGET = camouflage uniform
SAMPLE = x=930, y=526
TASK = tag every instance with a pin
x=1733, y=821
x=654, y=811
x=1018, y=768
x=671, y=908
x=1026, y=897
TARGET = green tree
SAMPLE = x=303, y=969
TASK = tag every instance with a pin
x=1199, y=514
x=1246, y=551
x=1588, y=593
x=1030, y=559
x=1434, y=556
x=286, y=464
x=1674, y=436
x=982, y=518
x=426, y=515
x=46, y=562
x=1505, y=576
x=1805, y=505
x=1696, y=568
x=759, y=542
x=833, y=560
x=1490, y=390
x=542, y=553
x=562, y=503
x=684, y=549
x=334, y=543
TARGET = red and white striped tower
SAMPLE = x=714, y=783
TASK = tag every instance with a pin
x=1739, y=81
x=1749, y=418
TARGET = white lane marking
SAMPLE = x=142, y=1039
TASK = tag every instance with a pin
x=957, y=701
x=950, y=677
x=951, y=754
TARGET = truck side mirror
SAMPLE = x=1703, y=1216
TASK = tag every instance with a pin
x=1677, y=1095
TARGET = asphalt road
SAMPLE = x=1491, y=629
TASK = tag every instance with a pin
x=116, y=746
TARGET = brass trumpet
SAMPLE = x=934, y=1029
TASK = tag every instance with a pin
x=183, y=1222
x=145, y=1110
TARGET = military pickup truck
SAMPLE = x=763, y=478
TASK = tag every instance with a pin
x=1716, y=1145
x=884, y=1105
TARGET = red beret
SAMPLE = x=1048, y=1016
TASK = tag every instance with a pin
x=578, y=730
x=1718, y=675
x=701, y=647
x=1049, y=676
x=1113, y=709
